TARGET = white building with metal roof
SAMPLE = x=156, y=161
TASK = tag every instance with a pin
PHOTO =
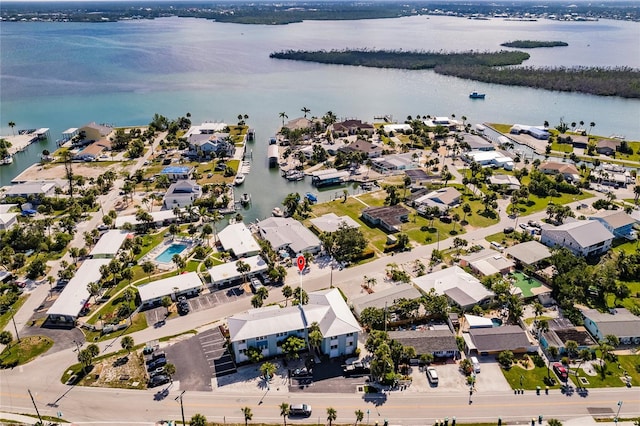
x=264, y=328
x=619, y=322
x=159, y=218
x=288, y=233
x=187, y=284
x=109, y=244
x=581, y=237
x=331, y=222
x=75, y=296
x=459, y=286
x=237, y=238
x=227, y=273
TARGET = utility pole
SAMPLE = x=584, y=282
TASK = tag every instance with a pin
x=38, y=412
x=181, y=406
x=13, y=314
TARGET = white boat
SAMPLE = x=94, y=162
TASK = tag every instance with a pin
x=294, y=175
x=277, y=212
x=7, y=160
x=239, y=180
x=245, y=199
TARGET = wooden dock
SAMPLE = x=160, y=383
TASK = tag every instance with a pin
x=24, y=138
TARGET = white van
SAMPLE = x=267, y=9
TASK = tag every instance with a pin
x=475, y=363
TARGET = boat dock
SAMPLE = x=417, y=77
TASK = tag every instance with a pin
x=245, y=167
x=24, y=138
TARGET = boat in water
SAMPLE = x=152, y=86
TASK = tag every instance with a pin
x=476, y=95
x=239, y=180
x=7, y=160
x=311, y=197
x=277, y=212
x=245, y=199
x=294, y=175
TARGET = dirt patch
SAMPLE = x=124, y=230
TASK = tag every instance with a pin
x=57, y=171
x=127, y=372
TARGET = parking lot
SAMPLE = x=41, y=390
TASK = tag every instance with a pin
x=201, y=302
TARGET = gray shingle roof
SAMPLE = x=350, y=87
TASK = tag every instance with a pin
x=496, y=339
x=426, y=341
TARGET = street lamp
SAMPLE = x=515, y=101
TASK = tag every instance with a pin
x=181, y=406
x=15, y=327
x=618, y=413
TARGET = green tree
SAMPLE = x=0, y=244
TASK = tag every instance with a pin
x=292, y=345
x=148, y=267
x=127, y=343
x=373, y=318
x=554, y=422
x=345, y=244
x=505, y=358
x=254, y=354
x=359, y=416
x=6, y=338
x=243, y=268
x=332, y=415
x=198, y=420
x=287, y=292
x=285, y=409
x=166, y=302
x=571, y=346
x=170, y=370
x=268, y=369
x=248, y=415
x=315, y=335
x=179, y=262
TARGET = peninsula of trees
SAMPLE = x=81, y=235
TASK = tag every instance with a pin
x=532, y=44
x=486, y=67
x=411, y=60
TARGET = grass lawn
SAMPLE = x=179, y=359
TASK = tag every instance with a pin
x=530, y=378
x=106, y=371
x=22, y=352
x=629, y=247
x=562, y=147
x=6, y=317
x=632, y=302
x=109, y=310
x=149, y=241
x=139, y=322
x=537, y=204
x=613, y=374
x=502, y=128
x=529, y=321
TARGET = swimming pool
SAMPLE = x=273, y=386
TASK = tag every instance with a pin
x=167, y=254
x=497, y=322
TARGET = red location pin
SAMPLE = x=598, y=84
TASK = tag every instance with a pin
x=301, y=262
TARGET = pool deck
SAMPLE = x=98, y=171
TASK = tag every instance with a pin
x=539, y=289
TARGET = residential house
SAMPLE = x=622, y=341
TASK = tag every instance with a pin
x=94, y=132
x=537, y=132
x=175, y=173
x=267, y=327
x=227, y=274
x=210, y=145
x=528, y=253
x=385, y=298
x=607, y=146
x=238, y=239
x=109, y=244
x=496, y=159
x=351, y=127
x=492, y=341
x=443, y=198
x=477, y=143
x=487, y=262
x=300, y=123
x=187, y=284
x=617, y=222
x=7, y=218
x=159, y=218
x=93, y=151
x=360, y=146
x=612, y=175
x=508, y=182
x=578, y=141
x=569, y=171
x=286, y=233
x=394, y=162
x=181, y=194
x=441, y=342
x=560, y=331
x=460, y=287
x=33, y=189
x=396, y=128
x=331, y=222
x=389, y=218
x=581, y=237
x=619, y=322
x=447, y=122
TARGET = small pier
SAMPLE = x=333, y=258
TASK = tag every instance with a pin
x=24, y=138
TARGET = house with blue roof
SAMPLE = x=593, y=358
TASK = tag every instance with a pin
x=175, y=173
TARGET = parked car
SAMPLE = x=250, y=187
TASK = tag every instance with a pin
x=560, y=371
x=432, y=375
x=158, y=380
x=256, y=284
x=356, y=368
x=301, y=372
x=161, y=362
x=300, y=410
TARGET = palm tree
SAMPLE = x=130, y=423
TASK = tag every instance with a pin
x=571, y=346
x=306, y=111
x=284, y=411
x=148, y=267
x=287, y=292
x=170, y=370
x=359, y=416
x=127, y=343
x=583, y=355
x=291, y=203
x=198, y=420
x=166, y=302
x=591, y=126
x=243, y=268
x=248, y=415
x=331, y=415
x=283, y=115
x=12, y=124
x=636, y=193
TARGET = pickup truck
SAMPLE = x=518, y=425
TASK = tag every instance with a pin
x=356, y=368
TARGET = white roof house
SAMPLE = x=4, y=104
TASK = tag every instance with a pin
x=475, y=321
x=109, y=244
x=396, y=127
x=488, y=262
x=286, y=232
x=581, y=237
x=206, y=128
x=331, y=222
x=178, y=284
x=459, y=286
x=619, y=322
x=529, y=252
x=443, y=198
x=238, y=239
x=44, y=188
x=326, y=307
x=485, y=158
x=158, y=217
x=75, y=295
x=228, y=272
x=8, y=220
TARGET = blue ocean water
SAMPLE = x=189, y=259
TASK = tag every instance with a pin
x=62, y=75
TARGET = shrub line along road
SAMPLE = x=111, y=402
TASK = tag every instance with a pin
x=109, y=406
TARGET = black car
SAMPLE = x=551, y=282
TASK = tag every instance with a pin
x=158, y=380
x=160, y=362
x=183, y=308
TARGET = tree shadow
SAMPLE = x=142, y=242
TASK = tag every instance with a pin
x=377, y=399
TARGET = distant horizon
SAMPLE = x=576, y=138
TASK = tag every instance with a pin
x=500, y=2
